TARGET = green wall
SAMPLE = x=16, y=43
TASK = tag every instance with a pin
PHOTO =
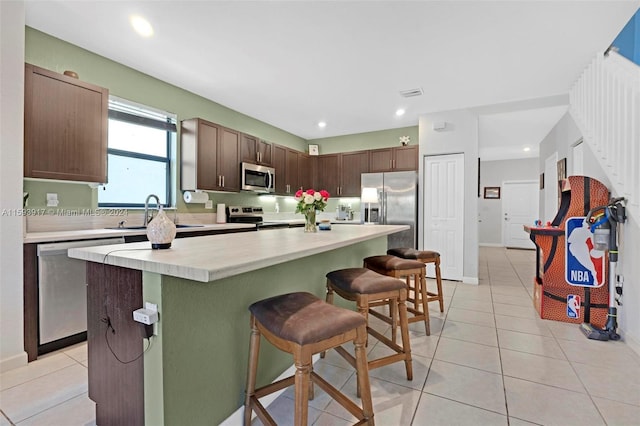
x=54, y=54
x=369, y=140
x=205, y=333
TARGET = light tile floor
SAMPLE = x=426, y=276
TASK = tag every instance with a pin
x=490, y=360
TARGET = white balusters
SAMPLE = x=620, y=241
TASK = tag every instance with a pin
x=605, y=103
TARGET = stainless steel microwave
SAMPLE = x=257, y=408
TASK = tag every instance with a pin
x=258, y=178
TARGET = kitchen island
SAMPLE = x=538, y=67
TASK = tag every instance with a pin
x=194, y=370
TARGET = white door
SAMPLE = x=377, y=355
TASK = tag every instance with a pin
x=444, y=212
x=519, y=208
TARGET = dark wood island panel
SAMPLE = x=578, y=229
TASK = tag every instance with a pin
x=115, y=385
x=30, y=301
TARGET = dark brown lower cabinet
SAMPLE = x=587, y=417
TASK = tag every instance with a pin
x=115, y=344
x=30, y=300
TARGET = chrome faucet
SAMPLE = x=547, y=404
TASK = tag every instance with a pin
x=146, y=208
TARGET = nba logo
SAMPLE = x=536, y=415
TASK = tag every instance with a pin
x=584, y=265
x=573, y=306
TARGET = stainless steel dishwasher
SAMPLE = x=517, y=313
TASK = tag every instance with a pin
x=62, y=289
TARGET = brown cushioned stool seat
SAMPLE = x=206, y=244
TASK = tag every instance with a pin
x=425, y=256
x=303, y=325
x=404, y=268
x=366, y=287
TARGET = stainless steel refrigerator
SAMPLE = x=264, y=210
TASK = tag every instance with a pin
x=397, y=204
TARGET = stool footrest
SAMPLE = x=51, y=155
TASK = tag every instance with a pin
x=382, y=338
x=380, y=316
x=335, y=394
x=380, y=362
x=262, y=412
x=274, y=387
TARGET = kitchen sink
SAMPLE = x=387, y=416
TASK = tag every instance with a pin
x=180, y=225
x=127, y=227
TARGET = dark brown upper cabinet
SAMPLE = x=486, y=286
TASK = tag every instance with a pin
x=65, y=127
x=280, y=165
x=329, y=173
x=340, y=173
x=210, y=156
x=294, y=170
x=307, y=171
x=394, y=159
x=352, y=165
x=256, y=151
x=293, y=178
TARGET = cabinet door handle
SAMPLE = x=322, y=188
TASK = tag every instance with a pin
x=219, y=180
x=391, y=164
x=223, y=181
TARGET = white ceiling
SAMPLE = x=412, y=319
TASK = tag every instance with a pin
x=294, y=63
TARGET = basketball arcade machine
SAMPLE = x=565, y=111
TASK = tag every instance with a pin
x=571, y=265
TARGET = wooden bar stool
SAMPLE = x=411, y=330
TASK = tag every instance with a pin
x=402, y=268
x=303, y=325
x=425, y=256
x=365, y=287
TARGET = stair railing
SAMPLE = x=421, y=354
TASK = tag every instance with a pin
x=605, y=104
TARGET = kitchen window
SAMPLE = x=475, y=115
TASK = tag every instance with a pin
x=140, y=151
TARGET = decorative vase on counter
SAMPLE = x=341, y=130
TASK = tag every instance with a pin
x=161, y=231
x=310, y=221
x=309, y=202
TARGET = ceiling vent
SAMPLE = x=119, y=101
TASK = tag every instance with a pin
x=411, y=92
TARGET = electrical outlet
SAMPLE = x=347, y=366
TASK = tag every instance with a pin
x=208, y=204
x=152, y=307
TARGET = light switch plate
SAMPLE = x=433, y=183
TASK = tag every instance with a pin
x=208, y=204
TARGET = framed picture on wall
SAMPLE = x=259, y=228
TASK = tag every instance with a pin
x=313, y=150
x=492, y=192
x=562, y=169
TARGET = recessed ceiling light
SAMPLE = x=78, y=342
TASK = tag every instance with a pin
x=141, y=25
x=322, y=124
x=400, y=112
x=527, y=149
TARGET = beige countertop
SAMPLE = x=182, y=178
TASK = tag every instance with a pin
x=213, y=257
x=301, y=221
x=89, y=234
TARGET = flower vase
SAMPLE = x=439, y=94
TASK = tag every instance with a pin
x=310, y=221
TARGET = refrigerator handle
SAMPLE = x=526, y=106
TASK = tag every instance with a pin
x=385, y=208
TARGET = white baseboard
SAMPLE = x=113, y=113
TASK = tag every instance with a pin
x=490, y=245
x=15, y=361
x=237, y=418
x=470, y=280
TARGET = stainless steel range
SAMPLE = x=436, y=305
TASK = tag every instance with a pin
x=239, y=214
